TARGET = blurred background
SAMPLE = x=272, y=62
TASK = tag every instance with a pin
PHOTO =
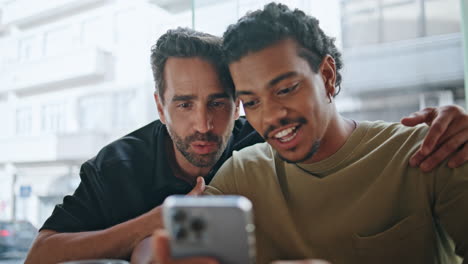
x=75, y=75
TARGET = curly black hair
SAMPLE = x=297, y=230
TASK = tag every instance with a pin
x=187, y=43
x=262, y=28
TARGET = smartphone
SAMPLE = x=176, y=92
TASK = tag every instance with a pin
x=213, y=226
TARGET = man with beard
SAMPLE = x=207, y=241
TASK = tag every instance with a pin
x=117, y=202
x=324, y=186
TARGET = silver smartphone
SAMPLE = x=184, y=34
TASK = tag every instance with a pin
x=215, y=226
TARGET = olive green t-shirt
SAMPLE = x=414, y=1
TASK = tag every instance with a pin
x=364, y=204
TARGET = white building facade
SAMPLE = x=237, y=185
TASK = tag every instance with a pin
x=74, y=75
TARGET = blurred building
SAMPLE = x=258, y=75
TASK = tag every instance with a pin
x=400, y=56
x=74, y=75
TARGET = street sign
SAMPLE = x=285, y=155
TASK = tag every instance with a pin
x=25, y=191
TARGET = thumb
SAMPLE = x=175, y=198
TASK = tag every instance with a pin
x=199, y=187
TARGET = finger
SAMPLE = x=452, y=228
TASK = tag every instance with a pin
x=161, y=246
x=423, y=116
x=436, y=130
x=163, y=256
x=459, y=158
x=446, y=149
x=417, y=158
x=456, y=126
x=199, y=187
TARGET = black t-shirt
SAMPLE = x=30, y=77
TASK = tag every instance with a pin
x=129, y=177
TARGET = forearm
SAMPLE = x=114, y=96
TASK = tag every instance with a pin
x=114, y=242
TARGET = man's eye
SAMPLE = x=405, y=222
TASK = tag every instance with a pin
x=217, y=104
x=249, y=104
x=184, y=105
x=287, y=90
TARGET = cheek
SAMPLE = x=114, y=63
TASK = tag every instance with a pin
x=254, y=119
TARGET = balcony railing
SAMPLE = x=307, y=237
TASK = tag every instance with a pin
x=26, y=12
x=419, y=64
x=65, y=70
x=51, y=147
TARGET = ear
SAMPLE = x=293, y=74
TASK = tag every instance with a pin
x=237, y=109
x=159, y=105
x=328, y=72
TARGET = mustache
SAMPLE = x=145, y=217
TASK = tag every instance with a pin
x=283, y=122
x=209, y=137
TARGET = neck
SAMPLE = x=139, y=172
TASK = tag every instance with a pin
x=181, y=167
x=339, y=129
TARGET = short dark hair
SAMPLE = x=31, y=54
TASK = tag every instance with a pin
x=262, y=28
x=186, y=43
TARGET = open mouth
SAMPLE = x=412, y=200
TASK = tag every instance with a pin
x=286, y=135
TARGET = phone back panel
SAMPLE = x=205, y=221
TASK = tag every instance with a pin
x=215, y=226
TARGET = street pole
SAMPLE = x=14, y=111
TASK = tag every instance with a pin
x=464, y=24
x=193, y=14
x=13, y=197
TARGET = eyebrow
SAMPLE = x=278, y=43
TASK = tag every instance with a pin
x=282, y=77
x=272, y=82
x=218, y=96
x=178, y=98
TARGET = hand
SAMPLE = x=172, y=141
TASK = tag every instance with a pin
x=448, y=135
x=157, y=211
x=162, y=255
x=199, y=187
x=307, y=261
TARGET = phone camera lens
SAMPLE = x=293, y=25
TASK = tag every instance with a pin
x=180, y=233
x=179, y=216
x=197, y=224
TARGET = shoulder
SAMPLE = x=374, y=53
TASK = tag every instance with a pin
x=137, y=146
x=253, y=157
x=381, y=132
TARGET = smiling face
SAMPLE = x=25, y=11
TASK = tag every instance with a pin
x=197, y=111
x=287, y=102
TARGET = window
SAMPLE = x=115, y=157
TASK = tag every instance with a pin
x=123, y=103
x=53, y=118
x=58, y=41
x=96, y=32
x=125, y=26
x=29, y=48
x=95, y=112
x=401, y=19
x=360, y=23
x=442, y=16
x=24, y=121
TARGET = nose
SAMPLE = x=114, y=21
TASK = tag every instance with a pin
x=203, y=121
x=272, y=113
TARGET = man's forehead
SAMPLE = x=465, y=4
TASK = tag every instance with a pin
x=191, y=76
x=278, y=61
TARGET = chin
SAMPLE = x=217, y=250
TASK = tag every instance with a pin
x=294, y=156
